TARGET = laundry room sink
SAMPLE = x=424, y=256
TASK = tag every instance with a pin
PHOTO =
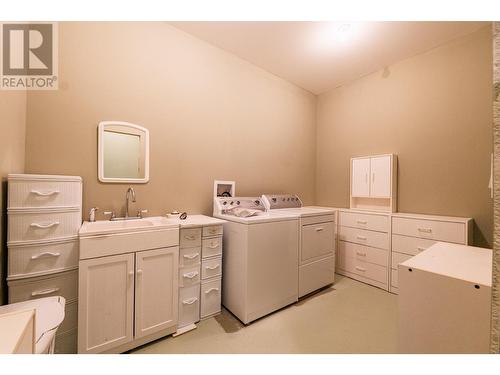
x=105, y=237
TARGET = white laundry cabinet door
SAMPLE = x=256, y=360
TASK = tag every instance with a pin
x=380, y=168
x=106, y=303
x=360, y=177
x=156, y=290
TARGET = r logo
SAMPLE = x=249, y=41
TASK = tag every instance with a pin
x=27, y=49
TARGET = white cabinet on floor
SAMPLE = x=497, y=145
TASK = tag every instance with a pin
x=106, y=302
x=155, y=308
x=373, y=183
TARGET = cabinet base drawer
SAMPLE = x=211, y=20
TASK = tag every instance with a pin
x=41, y=259
x=365, y=269
x=379, y=223
x=210, y=298
x=430, y=229
x=316, y=275
x=363, y=253
x=212, y=230
x=211, y=247
x=189, y=256
x=190, y=237
x=189, y=305
x=61, y=284
x=364, y=237
x=410, y=245
x=211, y=268
x=38, y=193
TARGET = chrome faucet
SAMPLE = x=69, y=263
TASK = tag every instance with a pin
x=127, y=198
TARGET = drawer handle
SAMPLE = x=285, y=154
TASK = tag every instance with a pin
x=190, y=301
x=361, y=221
x=319, y=229
x=212, y=246
x=213, y=267
x=420, y=248
x=360, y=269
x=46, y=254
x=43, y=292
x=44, y=226
x=192, y=256
x=191, y=237
x=361, y=237
x=211, y=290
x=44, y=194
x=360, y=254
x=190, y=275
x=425, y=230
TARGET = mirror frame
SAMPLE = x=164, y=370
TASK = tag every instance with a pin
x=100, y=153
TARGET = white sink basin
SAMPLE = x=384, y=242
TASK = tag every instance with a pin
x=122, y=226
x=104, y=237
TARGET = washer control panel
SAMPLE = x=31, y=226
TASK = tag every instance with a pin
x=275, y=201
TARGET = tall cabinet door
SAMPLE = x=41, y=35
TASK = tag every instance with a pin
x=360, y=181
x=106, y=303
x=156, y=290
x=380, y=177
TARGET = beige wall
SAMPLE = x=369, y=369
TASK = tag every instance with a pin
x=210, y=116
x=432, y=110
x=12, y=139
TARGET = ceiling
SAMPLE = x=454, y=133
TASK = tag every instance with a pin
x=319, y=56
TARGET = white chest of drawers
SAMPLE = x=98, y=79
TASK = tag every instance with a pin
x=364, y=246
x=414, y=233
x=44, y=216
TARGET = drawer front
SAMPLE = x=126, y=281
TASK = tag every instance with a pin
x=189, y=305
x=211, y=247
x=70, y=318
x=66, y=343
x=23, y=194
x=34, y=260
x=394, y=278
x=63, y=284
x=212, y=230
x=430, y=229
x=37, y=226
x=190, y=237
x=410, y=245
x=189, y=256
x=399, y=258
x=364, y=237
x=362, y=268
x=364, y=253
x=317, y=241
x=210, y=298
x=189, y=276
x=317, y=219
x=211, y=268
x=378, y=223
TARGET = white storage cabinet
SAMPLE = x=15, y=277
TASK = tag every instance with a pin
x=44, y=216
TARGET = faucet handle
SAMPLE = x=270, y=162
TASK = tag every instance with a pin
x=140, y=213
x=111, y=214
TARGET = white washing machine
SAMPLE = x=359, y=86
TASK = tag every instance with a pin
x=317, y=239
x=260, y=257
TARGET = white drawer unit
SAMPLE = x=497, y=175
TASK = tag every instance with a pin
x=211, y=268
x=38, y=259
x=61, y=284
x=414, y=233
x=190, y=238
x=210, y=298
x=189, y=305
x=211, y=247
x=44, y=216
x=364, y=247
x=200, y=262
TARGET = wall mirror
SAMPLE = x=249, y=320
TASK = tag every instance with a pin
x=123, y=152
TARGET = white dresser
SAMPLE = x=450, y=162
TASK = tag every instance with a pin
x=44, y=216
x=364, y=246
x=200, y=269
x=413, y=233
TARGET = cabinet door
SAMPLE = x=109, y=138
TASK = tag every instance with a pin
x=380, y=177
x=156, y=290
x=360, y=177
x=106, y=303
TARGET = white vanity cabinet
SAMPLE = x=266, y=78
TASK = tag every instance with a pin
x=130, y=298
x=44, y=216
x=374, y=183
